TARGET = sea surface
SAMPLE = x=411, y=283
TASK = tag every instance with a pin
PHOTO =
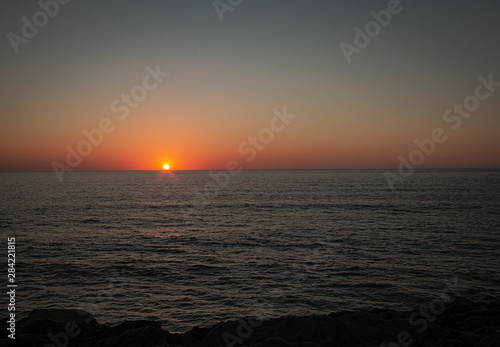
x=144, y=245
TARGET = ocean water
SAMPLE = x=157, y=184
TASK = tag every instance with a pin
x=270, y=243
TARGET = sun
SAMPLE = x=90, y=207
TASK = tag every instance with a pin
x=166, y=167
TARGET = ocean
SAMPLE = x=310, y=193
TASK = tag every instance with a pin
x=140, y=245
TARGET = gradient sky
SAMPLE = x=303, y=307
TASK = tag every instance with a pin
x=227, y=76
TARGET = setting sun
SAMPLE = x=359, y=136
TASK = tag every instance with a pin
x=166, y=167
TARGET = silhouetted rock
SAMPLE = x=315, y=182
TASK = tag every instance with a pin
x=458, y=323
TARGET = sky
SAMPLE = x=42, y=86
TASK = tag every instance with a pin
x=272, y=70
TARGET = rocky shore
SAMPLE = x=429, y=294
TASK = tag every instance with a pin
x=460, y=323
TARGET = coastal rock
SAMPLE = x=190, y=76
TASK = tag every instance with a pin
x=314, y=329
x=367, y=328
x=462, y=323
x=490, y=341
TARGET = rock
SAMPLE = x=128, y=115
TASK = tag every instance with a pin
x=25, y=340
x=146, y=336
x=367, y=329
x=463, y=323
x=490, y=341
x=129, y=325
x=278, y=342
x=56, y=321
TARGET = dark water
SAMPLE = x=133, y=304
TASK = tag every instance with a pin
x=269, y=244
